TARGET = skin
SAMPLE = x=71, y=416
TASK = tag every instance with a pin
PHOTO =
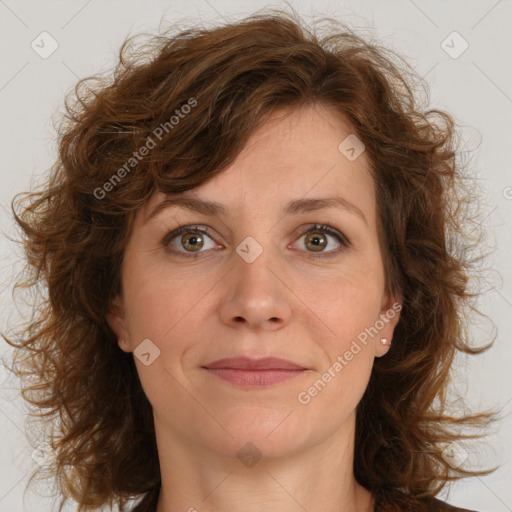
x=286, y=303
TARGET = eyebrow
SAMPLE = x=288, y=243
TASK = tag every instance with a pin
x=213, y=208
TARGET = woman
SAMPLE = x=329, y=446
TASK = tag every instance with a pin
x=258, y=275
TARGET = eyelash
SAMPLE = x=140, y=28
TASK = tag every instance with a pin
x=344, y=241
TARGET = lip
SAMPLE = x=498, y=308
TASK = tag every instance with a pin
x=246, y=363
x=247, y=372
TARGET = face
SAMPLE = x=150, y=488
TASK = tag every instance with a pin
x=260, y=280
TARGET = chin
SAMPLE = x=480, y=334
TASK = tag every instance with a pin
x=275, y=434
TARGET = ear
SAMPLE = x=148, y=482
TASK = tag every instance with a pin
x=388, y=319
x=117, y=321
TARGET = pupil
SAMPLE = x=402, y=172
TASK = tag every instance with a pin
x=192, y=241
x=317, y=241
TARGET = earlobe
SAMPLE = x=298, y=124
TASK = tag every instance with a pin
x=117, y=322
x=388, y=319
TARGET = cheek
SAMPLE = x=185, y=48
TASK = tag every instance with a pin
x=344, y=307
x=350, y=350
x=162, y=309
x=346, y=317
x=160, y=301
x=169, y=309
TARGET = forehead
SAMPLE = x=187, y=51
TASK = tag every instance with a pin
x=300, y=153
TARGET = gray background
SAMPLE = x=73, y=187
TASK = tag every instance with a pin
x=476, y=88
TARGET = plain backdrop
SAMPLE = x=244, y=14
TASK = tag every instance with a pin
x=475, y=87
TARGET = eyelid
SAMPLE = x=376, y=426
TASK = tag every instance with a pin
x=313, y=227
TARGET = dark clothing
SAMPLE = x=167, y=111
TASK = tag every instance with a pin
x=396, y=501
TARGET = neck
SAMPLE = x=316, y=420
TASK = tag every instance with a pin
x=197, y=479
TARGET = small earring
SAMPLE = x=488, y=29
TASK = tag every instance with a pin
x=384, y=341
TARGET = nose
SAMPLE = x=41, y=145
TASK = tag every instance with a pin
x=256, y=295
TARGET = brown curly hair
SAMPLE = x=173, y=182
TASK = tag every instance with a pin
x=232, y=78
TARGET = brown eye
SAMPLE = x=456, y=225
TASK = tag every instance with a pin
x=191, y=242
x=316, y=241
x=317, y=238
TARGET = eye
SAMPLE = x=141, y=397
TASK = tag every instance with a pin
x=193, y=240
x=317, y=238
